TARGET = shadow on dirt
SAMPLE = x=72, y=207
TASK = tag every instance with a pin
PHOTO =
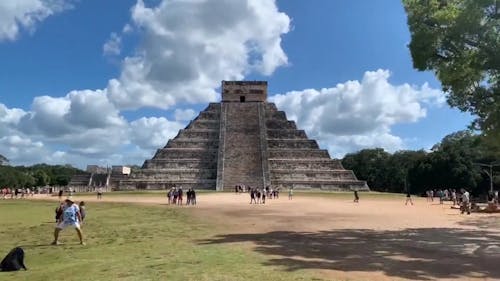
x=416, y=254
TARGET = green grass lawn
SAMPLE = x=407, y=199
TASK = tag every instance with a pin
x=127, y=242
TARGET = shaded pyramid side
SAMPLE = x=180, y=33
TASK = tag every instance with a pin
x=188, y=160
x=295, y=161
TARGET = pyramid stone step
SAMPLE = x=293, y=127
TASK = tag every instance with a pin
x=312, y=175
x=292, y=143
x=304, y=164
x=213, y=107
x=298, y=153
x=286, y=134
x=209, y=115
x=278, y=124
x=161, y=164
x=187, y=153
x=192, y=143
x=198, y=133
x=172, y=174
x=204, y=124
x=167, y=184
x=342, y=185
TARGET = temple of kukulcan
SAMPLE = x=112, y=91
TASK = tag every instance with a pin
x=243, y=140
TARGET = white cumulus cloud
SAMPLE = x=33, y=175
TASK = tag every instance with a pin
x=16, y=15
x=358, y=114
x=113, y=45
x=188, y=47
x=151, y=133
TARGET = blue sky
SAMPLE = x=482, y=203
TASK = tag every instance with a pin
x=108, y=82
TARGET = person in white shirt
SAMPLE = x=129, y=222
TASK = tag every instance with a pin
x=465, y=202
x=71, y=217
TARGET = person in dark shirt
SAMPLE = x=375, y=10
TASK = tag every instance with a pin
x=356, y=196
x=408, y=198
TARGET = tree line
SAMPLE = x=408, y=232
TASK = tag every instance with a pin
x=36, y=175
x=452, y=163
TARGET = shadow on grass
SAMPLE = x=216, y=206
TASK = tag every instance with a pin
x=416, y=254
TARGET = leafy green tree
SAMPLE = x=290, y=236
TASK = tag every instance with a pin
x=41, y=178
x=369, y=165
x=460, y=41
x=450, y=165
x=398, y=166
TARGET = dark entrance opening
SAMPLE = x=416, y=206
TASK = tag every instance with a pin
x=242, y=98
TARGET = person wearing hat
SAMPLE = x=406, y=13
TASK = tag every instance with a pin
x=71, y=218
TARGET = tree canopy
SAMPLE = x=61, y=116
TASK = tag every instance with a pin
x=460, y=41
x=36, y=176
x=452, y=163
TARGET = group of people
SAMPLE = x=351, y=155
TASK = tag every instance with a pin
x=15, y=193
x=446, y=194
x=461, y=198
x=258, y=195
x=175, y=196
x=69, y=214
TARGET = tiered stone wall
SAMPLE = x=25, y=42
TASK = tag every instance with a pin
x=188, y=160
x=297, y=162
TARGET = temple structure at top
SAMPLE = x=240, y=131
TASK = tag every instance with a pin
x=243, y=140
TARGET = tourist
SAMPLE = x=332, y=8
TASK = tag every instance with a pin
x=263, y=197
x=252, y=196
x=465, y=202
x=290, y=194
x=179, y=200
x=193, y=197
x=169, y=196
x=446, y=194
x=176, y=194
x=59, y=211
x=83, y=211
x=440, y=194
x=99, y=193
x=454, y=197
x=188, y=197
x=356, y=196
x=408, y=198
x=70, y=218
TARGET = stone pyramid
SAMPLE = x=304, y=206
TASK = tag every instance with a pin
x=243, y=140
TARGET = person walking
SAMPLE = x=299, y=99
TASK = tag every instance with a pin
x=408, y=198
x=465, y=202
x=290, y=194
x=83, y=211
x=356, y=196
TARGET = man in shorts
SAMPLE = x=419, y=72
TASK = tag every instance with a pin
x=71, y=217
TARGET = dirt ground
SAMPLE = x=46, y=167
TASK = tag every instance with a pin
x=376, y=239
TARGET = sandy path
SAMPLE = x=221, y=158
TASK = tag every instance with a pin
x=377, y=239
